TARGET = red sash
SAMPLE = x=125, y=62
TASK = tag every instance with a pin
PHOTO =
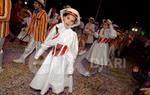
x=59, y=50
x=103, y=40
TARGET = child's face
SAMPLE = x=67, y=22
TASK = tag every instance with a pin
x=105, y=25
x=36, y=5
x=69, y=20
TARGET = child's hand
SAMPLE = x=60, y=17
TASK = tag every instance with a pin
x=26, y=29
x=38, y=61
x=135, y=69
x=35, y=62
x=146, y=91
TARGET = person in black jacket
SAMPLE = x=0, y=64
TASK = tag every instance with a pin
x=142, y=73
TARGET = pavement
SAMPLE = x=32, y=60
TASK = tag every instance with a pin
x=15, y=78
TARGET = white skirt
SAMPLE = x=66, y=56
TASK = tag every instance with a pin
x=98, y=53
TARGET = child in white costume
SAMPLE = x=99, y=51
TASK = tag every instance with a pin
x=57, y=69
x=98, y=53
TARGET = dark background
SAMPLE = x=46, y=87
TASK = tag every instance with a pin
x=123, y=12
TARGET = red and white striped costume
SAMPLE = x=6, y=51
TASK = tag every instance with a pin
x=5, y=10
x=38, y=26
x=38, y=30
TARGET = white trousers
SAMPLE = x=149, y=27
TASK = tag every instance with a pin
x=30, y=48
x=1, y=50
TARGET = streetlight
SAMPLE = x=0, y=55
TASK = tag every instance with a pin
x=134, y=29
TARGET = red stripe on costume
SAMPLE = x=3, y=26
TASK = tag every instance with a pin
x=2, y=7
x=56, y=36
x=40, y=20
x=63, y=50
x=5, y=10
x=59, y=50
x=103, y=40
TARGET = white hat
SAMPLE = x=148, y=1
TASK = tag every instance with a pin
x=72, y=11
x=41, y=2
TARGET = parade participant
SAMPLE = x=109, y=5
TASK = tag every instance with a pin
x=57, y=69
x=37, y=30
x=53, y=17
x=89, y=30
x=5, y=11
x=98, y=53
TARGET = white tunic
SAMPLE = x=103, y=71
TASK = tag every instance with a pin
x=98, y=53
x=55, y=69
